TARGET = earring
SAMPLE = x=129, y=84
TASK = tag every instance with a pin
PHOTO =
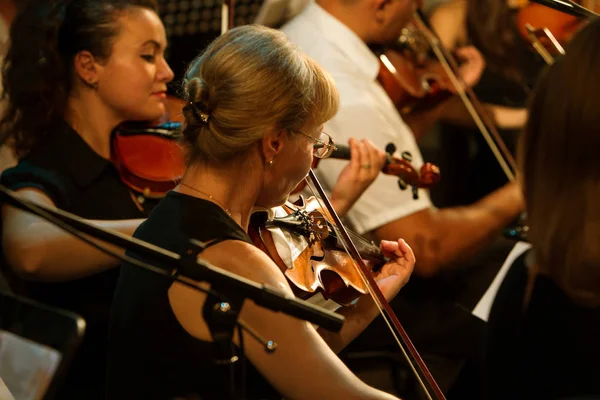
x=271, y=163
x=92, y=84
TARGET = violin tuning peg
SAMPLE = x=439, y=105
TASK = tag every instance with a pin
x=402, y=184
x=415, y=191
x=407, y=156
x=390, y=148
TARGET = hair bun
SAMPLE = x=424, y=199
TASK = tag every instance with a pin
x=198, y=94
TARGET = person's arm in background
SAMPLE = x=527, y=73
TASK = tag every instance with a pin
x=440, y=238
x=449, y=21
x=37, y=250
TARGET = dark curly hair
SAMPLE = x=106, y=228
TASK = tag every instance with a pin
x=38, y=69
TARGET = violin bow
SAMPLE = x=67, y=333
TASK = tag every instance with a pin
x=227, y=8
x=416, y=363
x=469, y=99
x=568, y=7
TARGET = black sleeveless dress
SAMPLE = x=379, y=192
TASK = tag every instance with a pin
x=150, y=355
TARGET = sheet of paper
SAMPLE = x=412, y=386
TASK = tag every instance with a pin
x=483, y=307
x=26, y=367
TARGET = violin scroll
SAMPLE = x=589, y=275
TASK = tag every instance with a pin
x=427, y=177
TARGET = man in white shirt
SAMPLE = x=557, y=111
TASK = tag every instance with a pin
x=335, y=33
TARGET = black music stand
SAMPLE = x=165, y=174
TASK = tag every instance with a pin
x=37, y=344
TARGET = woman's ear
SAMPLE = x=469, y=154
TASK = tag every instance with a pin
x=87, y=68
x=272, y=144
x=380, y=7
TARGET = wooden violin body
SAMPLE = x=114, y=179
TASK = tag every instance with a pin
x=550, y=28
x=150, y=160
x=413, y=80
x=322, y=266
x=149, y=157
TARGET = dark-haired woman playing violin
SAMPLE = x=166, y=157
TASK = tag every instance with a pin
x=256, y=108
x=75, y=71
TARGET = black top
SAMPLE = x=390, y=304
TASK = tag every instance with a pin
x=77, y=180
x=151, y=356
x=550, y=351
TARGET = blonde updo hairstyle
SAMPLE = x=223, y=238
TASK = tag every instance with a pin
x=249, y=81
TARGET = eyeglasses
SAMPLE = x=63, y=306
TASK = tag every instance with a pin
x=323, y=146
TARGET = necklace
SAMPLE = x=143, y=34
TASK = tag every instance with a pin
x=209, y=196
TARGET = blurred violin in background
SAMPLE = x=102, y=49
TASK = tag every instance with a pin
x=148, y=156
x=550, y=24
x=418, y=74
x=413, y=79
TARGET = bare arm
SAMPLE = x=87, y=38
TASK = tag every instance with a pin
x=441, y=238
x=38, y=250
x=455, y=112
x=448, y=20
x=301, y=352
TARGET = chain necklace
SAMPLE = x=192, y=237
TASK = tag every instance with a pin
x=209, y=196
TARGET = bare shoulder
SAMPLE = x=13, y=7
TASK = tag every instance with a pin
x=245, y=260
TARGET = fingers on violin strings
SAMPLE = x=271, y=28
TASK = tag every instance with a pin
x=398, y=248
x=405, y=250
x=365, y=157
x=354, y=154
x=377, y=156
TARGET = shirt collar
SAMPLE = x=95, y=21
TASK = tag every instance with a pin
x=344, y=38
x=78, y=159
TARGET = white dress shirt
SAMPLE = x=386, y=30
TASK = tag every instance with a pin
x=366, y=111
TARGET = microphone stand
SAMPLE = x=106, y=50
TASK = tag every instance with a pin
x=225, y=297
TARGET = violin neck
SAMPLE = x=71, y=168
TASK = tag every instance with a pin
x=342, y=152
x=368, y=251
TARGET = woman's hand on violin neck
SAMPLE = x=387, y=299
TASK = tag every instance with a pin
x=471, y=66
x=396, y=273
x=366, y=162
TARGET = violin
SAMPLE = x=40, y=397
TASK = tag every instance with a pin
x=472, y=104
x=323, y=266
x=150, y=160
x=401, y=167
x=550, y=24
x=320, y=265
x=149, y=157
x=413, y=80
